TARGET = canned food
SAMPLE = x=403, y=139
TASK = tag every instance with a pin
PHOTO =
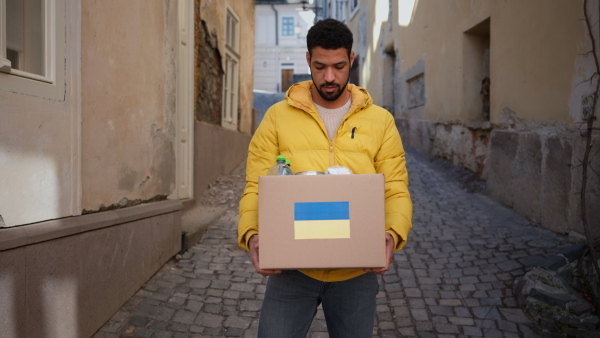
x=310, y=172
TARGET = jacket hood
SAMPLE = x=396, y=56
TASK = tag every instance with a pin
x=298, y=95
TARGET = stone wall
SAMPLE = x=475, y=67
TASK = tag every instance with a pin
x=464, y=146
x=208, y=75
x=539, y=175
x=537, y=172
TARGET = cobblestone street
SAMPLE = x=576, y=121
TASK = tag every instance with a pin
x=453, y=278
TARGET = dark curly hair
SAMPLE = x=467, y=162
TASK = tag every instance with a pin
x=329, y=34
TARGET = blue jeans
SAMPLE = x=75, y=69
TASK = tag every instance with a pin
x=292, y=298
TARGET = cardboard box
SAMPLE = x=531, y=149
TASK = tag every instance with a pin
x=321, y=222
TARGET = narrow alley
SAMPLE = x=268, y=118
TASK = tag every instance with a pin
x=125, y=125
x=453, y=279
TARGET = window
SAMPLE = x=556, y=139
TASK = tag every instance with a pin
x=416, y=91
x=287, y=26
x=340, y=10
x=232, y=30
x=354, y=5
x=232, y=71
x=32, y=40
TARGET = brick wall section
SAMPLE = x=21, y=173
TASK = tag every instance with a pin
x=208, y=73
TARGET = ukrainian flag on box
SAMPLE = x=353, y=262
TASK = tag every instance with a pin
x=321, y=220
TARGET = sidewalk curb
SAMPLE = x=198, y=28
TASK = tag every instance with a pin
x=195, y=222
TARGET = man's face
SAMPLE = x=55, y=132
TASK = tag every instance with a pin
x=330, y=71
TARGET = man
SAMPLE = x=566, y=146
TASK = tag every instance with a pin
x=321, y=123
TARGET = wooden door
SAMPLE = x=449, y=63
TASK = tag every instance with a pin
x=286, y=79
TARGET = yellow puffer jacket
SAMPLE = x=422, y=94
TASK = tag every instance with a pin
x=294, y=128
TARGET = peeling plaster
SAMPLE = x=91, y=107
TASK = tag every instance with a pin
x=209, y=75
x=465, y=147
x=125, y=203
x=142, y=185
x=205, y=3
x=128, y=178
x=167, y=167
x=165, y=157
x=157, y=136
x=510, y=120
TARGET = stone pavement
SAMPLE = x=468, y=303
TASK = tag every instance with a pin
x=453, y=278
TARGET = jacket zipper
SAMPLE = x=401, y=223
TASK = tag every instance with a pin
x=331, y=154
x=331, y=143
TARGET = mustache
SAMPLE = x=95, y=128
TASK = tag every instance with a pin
x=327, y=84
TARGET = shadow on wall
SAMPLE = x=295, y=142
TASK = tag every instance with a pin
x=263, y=100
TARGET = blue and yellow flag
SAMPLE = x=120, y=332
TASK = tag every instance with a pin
x=321, y=220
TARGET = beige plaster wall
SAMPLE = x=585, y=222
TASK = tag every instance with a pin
x=222, y=151
x=530, y=149
x=128, y=101
x=535, y=54
x=35, y=159
x=246, y=11
x=535, y=48
x=214, y=13
x=39, y=146
x=109, y=140
x=431, y=34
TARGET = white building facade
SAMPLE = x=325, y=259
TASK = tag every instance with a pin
x=280, y=44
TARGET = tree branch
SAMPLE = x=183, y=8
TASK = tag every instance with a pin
x=588, y=147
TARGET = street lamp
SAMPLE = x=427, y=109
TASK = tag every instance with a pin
x=315, y=8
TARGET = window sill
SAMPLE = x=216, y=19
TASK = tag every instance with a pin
x=5, y=65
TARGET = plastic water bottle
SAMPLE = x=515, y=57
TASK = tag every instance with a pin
x=280, y=168
x=288, y=170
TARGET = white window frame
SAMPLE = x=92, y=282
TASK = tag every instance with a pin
x=184, y=161
x=231, y=76
x=354, y=6
x=340, y=7
x=50, y=85
x=293, y=25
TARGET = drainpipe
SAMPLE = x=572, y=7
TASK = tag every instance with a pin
x=277, y=40
x=276, y=25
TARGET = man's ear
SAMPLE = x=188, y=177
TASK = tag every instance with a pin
x=351, y=59
x=308, y=58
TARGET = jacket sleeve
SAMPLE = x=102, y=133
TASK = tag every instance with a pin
x=262, y=152
x=391, y=162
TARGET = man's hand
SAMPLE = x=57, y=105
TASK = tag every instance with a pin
x=389, y=254
x=253, y=245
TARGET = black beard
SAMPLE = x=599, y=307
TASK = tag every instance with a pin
x=333, y=96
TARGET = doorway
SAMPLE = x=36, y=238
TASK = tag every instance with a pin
x=287, y=79
x=476, y=67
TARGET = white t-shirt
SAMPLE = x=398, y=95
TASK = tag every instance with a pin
x=333, y=117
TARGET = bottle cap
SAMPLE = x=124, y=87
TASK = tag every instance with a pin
x=280, y=157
